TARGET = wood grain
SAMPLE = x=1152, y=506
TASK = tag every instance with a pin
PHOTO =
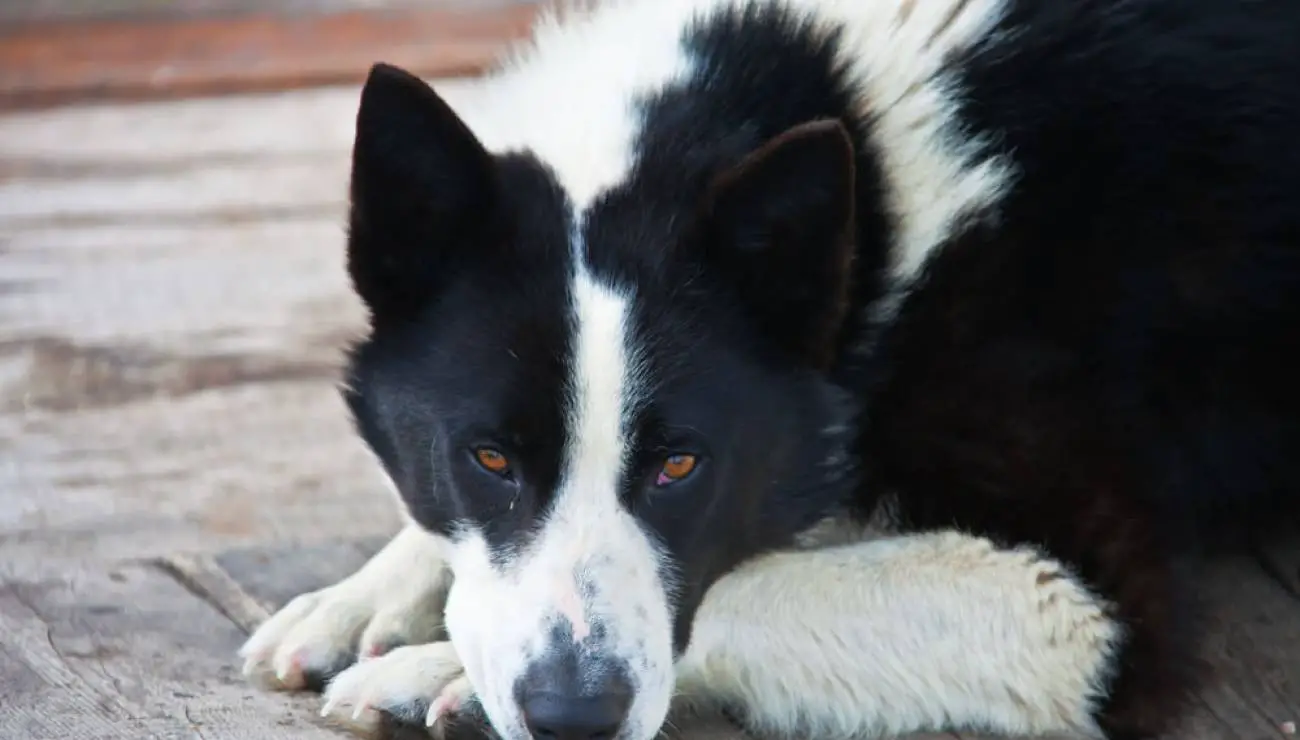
x=129, y=653
x=1253, y=645
x=56, y=62
x=173, y=311
x=272, y=576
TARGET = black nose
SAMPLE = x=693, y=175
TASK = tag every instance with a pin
x=552, y=716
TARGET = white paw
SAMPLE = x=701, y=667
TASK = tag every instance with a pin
x=418, y=684
x=319, y=634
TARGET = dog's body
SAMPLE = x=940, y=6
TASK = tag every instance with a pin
x=707, y=289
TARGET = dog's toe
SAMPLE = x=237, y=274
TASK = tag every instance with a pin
x=406, y=619
x=308, y=641
x=318, y=635
x=410, y=684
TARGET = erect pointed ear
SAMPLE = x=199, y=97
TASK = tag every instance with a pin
x=422, y=191
x=780, y=224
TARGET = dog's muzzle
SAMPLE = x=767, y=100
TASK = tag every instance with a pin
x=571, y=696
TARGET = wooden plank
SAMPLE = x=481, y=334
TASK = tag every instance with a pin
x=174, y=390
x=173, y=310
x=203, y=577
x=1254, y=646
x=126, y=654
x=57, y=62
x=271, y=577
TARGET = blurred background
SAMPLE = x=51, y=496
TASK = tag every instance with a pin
x=56, y=52
x=175, y=461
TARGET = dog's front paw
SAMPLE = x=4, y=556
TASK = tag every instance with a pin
x=423, y=685
x=395, y=599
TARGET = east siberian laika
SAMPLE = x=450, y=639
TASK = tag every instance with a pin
x=701, y=293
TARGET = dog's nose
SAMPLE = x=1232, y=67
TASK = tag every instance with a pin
x=562, y=716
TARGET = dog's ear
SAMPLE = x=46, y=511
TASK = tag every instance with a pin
x=422, y=190
x=780, y=225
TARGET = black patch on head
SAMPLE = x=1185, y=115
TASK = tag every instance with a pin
x=780, y=223
x=741, y=276
x=423, y=193
x=463, y=259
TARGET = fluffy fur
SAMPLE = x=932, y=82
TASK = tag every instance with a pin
x=1007, y=277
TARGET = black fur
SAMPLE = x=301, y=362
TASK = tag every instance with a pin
x=1099, y=368
x=1101, y=373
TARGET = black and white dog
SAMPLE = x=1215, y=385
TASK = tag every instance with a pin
x=703, y=295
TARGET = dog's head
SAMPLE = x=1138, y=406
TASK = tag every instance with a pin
x=602, y=409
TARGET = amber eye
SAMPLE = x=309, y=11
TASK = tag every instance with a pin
x=492, y=460
x=675, y=468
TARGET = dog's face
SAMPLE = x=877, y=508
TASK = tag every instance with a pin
x=601, y=410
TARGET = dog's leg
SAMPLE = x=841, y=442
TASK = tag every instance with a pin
x=395, y=599
x=924, y=632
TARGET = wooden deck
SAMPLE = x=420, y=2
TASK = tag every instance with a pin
x=174, y=462
x=51, y=54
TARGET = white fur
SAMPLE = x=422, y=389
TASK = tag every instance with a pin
x=500, y=617
x=567, y=95
x=403, y=682
x=936, y=174
x=395, y=598
x=854, y=638
x=890, y=636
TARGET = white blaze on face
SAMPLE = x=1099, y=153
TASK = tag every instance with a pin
x=591, y=568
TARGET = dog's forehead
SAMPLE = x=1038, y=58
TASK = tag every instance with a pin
x=578, y=318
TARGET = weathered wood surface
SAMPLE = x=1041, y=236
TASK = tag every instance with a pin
x=172, y=309
x=175, y=462
x=129, y=653
x=173, y=306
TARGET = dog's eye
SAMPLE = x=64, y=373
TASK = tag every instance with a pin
x=675, y=468
x=492, y=461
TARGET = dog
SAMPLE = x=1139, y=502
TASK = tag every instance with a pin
x=857, y=367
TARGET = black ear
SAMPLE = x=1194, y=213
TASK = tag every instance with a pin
x=422, y=191
x=781, y=225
